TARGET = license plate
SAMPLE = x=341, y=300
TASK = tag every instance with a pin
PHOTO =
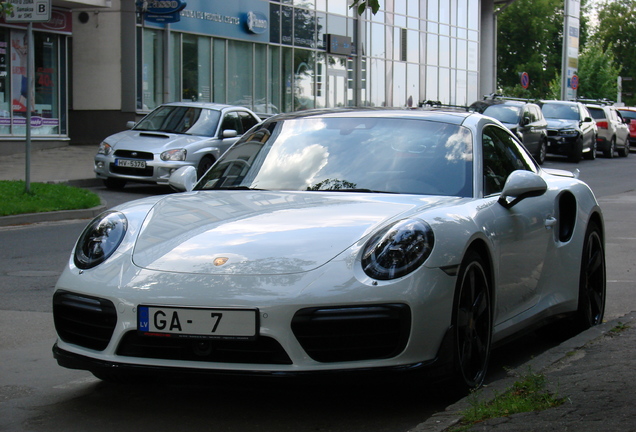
x=208, y=323
x=130, y=163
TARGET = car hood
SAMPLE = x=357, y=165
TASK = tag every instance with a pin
x=154, y=142
x=562, y=124
x=262, y=233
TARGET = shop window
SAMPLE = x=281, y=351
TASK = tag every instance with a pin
x=152, y=69
x=240, y=70
x=5, y=89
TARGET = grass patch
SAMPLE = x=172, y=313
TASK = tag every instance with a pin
x=526, y=395
x=43, y=197
x=620, y=327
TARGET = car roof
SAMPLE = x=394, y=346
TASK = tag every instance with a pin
x=560, y=102
x=206, y=105
x=446, y=115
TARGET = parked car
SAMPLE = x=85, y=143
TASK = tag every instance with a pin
x=613, y=132
x=629, y=115
x=571, y=129
x=171, y=136
x=323, y=241
x=523, y=117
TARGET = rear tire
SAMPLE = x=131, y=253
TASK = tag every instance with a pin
x=541, y=152
x=472, y=322
x=624, y=151
x=592, y=282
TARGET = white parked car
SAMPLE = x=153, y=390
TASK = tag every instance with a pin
x=353, y=240
x=171, y=136
x=613, y=131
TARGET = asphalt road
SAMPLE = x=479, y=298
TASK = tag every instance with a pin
x=38, y=395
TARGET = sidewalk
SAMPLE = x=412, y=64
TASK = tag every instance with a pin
x=59, y=165
x=596, y=373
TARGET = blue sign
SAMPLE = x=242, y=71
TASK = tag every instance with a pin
x=236, y=19
x=163, y=18
x=165, y=7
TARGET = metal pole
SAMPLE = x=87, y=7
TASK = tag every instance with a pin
x=29, y=77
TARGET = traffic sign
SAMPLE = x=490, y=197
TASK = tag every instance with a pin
x=574, y=82
x=29, y=11
x=525, y=80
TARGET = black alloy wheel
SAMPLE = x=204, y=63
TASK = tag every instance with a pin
x=472, y=319
x=592, y=282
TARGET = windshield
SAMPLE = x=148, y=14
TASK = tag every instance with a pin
x=349, y=154
x=560, y=111
x=503, y=113
x=181, y=120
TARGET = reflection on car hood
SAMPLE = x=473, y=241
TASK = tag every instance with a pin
x=260, y=232
x=562, y=124
x=155, y=142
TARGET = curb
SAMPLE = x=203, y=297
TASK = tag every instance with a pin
x=442, y=421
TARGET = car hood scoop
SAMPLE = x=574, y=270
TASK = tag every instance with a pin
x=259, y=232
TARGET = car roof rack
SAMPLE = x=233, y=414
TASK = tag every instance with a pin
x=438, y=104
x=493, y=96
x=602, y=102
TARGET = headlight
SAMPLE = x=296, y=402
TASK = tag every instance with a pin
x=174, y=155
x=104, y=148
x=568, y=132
x=100, y=239
x=398, y=249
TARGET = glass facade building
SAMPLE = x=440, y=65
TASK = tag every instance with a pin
x=280, y=56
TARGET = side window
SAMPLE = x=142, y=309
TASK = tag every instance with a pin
x=231, y=121
x=502, y=156
x=247, y=121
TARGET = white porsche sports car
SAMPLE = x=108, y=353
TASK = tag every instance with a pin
x=336, y=240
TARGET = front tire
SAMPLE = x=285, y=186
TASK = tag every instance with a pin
x=609, y=152
x=204, y=165
x=576, y=152
x=114, y=183
x=472, y=321
x=592, y=282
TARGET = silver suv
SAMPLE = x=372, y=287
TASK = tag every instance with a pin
x=613, y=132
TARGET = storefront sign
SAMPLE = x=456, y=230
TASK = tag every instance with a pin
x=237, y=19
x=257, y=22
x=337, y=44
x=166, y=7
x=29, y=11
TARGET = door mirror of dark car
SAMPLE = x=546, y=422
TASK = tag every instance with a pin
x=521, y=185
x=183, y=179
x=229, y=133
x=525, y=121
x=130, y=124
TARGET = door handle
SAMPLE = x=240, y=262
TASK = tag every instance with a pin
x=550, y=222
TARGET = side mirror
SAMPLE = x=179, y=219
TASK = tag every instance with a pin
x=229, y=133
x=521, y=185
x=130, y=124
x=588, y=119
x=525, y=121
x=183, y=179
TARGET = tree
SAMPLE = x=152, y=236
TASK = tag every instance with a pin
x=530, y=39
x=617, y=33
x=362, y=5
x=598, y=73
